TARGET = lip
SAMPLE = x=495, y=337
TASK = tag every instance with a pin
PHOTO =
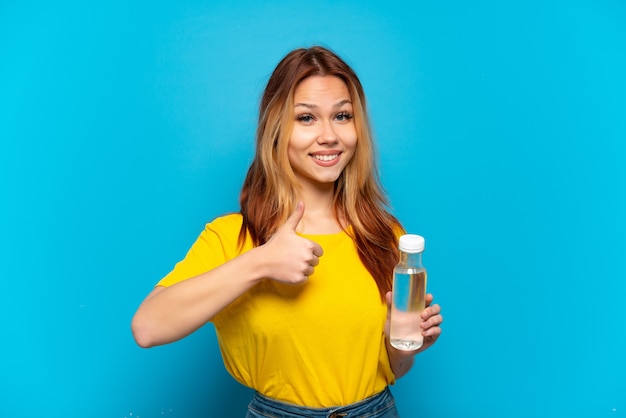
x=326, y=163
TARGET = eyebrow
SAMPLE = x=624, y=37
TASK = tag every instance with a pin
x=314, y=106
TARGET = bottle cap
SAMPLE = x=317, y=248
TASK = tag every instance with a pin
x=411, y=243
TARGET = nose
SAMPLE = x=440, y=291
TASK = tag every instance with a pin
x=328, y=135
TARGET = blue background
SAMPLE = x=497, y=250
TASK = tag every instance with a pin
x=125, y=126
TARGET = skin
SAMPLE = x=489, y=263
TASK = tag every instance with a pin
x=321, y=145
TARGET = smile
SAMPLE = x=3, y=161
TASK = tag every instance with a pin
x=325, y=157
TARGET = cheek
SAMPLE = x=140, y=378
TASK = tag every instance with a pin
x=351, y=146
x=350, y=140
x=300, y=139
x=297, y=150
x=348, y=135
x=292, y=155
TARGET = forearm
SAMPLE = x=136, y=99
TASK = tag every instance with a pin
x=400, y=361
x=171, y=313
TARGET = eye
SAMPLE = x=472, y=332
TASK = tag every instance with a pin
x=344, y=117
x=305, y=118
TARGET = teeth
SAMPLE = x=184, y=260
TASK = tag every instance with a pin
x=325, y=157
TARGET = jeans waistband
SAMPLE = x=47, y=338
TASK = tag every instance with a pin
x=381, y=405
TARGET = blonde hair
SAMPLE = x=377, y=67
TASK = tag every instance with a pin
x=268, y=194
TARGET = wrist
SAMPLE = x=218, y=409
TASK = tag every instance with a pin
x=258, y=264
x=401, y=361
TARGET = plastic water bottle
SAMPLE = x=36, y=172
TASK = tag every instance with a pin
x=408, y=294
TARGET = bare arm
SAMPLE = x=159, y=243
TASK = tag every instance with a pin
x=170, y=313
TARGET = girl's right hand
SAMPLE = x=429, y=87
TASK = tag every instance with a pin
x=291, y=258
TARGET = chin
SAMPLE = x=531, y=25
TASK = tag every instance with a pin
x=330, y=181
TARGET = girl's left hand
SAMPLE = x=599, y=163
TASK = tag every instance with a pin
x=431, y=323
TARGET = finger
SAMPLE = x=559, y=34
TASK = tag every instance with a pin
x=430, y=311
x=317, y=249
x=433, y=321
x=314, y=261
x=388, y=300
x=429, y=299
x=432, y=332
x=295, y=217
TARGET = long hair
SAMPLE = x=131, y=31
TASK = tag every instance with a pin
x=268, y=195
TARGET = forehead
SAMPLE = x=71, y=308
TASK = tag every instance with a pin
x=321, y=88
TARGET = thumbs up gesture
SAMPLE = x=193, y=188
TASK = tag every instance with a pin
x=291, y=258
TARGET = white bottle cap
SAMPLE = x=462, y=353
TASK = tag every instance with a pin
x=411, y=243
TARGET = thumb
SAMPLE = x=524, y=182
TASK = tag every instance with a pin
x=294, y=219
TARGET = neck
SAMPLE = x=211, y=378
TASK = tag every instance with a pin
x=319, y=216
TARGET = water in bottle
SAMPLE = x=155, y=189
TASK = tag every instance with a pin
x=408, y=295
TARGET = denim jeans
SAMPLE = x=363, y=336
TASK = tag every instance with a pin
x=381, y=405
